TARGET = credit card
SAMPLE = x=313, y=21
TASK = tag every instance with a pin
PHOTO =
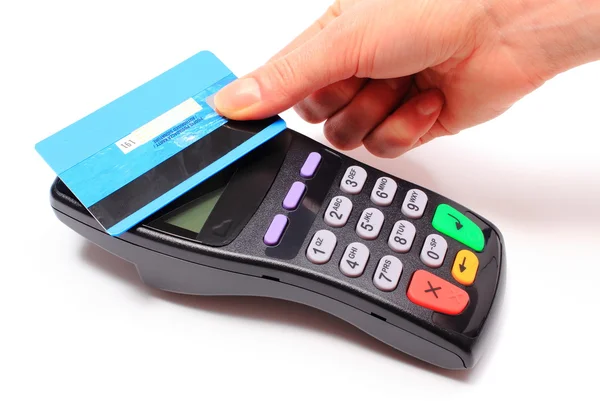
x=140, y=152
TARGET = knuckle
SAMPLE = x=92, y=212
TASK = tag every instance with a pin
x=335, y=9
x=332, y=12
x=339, y=93
x=374, y=148
x=323, y=97
x=308, y=113
x=401, y=139
x=280, y=73
x=390, y=140
x=428, y=137
x=323, y=103
x=358, y=56
x=331, y=132
x=338, y=136
x=443, y=128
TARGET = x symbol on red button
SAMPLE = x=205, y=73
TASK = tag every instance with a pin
x=455, y=295
x=432, y=289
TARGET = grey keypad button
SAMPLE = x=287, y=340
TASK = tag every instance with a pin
x=369, y=223
x=434, y=250
x=353, y=180
x=384, y=191
x=402, y=236
x=321, y=247
x=387, y=273
x=414, y=204
x=355, y=259
x=338, y=211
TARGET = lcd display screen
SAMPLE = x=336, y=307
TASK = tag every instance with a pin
x=193, y=216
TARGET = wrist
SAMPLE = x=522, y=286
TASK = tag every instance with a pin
x=548, y=37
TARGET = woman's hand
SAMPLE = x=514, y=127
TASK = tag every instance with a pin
x=394, y=74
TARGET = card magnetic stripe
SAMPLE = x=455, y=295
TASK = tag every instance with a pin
x=164, y=183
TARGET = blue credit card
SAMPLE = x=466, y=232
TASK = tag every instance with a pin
x=140, y=152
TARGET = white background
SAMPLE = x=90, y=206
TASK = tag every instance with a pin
x=77, y=324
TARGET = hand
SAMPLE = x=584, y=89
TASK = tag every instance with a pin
x=394, y=74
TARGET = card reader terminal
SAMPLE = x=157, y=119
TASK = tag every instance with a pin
x=296, y=220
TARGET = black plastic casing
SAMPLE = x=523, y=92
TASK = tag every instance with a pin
x=241, y=264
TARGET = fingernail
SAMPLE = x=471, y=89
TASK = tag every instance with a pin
x=428, y=105
x=238, y=95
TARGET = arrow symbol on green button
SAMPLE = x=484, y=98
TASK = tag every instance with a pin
x=458, y=224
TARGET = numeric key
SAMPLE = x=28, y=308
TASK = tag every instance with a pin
x=321, y=247
x=355, y=260
x=434, y=250
x=338, y=211
x=353, y=180
x=369, y=223
x=402, y=236
x=414, y=204
x=387, y=274
x=384, y=191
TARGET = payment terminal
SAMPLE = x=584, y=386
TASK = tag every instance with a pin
x=296, y=220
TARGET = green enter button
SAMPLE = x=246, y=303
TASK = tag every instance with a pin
x=453, y=223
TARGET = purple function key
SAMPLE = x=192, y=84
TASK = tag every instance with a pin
x=276, y=230
x=310, y=165
x=292, y=199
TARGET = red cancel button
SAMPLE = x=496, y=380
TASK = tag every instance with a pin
x=432, y=292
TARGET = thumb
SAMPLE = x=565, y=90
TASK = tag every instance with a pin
x=324, y=59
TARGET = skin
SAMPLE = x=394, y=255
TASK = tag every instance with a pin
x=394, y=74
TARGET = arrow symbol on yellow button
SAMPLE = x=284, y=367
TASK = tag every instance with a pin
x=462, y=266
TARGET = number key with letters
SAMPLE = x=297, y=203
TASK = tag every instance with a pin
x=354, y=179
x=338, y=211
x=402, y=236
x=414, y=204
x=369, y=224
x=354, y=260
x=321, y=247
x=383, y=192
x=388, y=273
